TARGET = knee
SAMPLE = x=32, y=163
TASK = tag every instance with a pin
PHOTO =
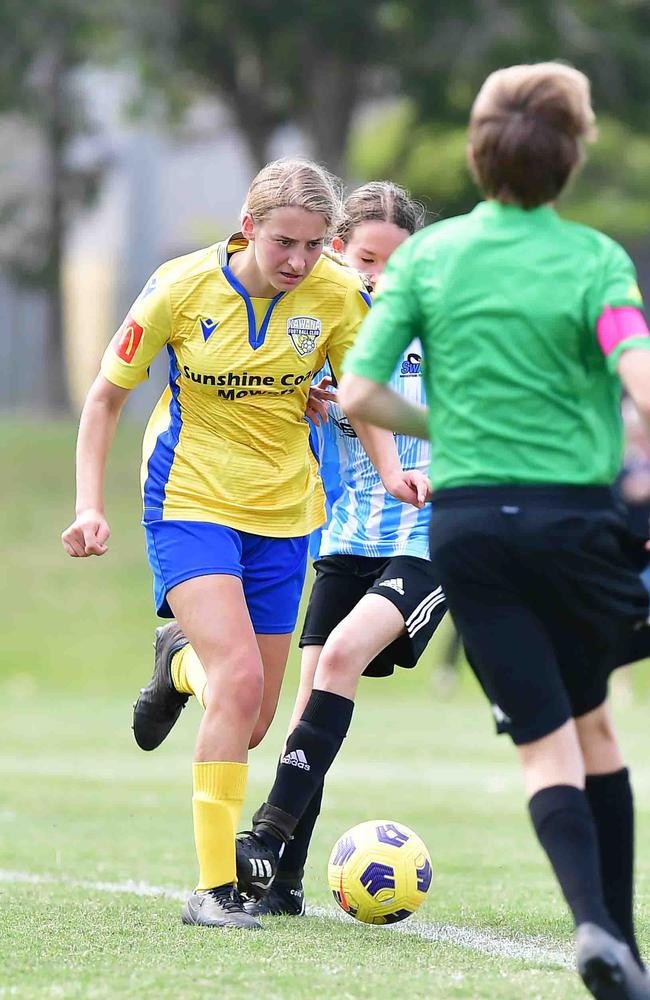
x=337, y=658
x=239, y=692
x=596, y=729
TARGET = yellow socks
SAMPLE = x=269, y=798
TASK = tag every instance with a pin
x=188, y=675
x=219, y=789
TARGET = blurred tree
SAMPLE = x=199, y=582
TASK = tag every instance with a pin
x=315, y=65
x=430, y=160
x=447, y=50
x=49, y=41
x=446, y=53
x=309, y=64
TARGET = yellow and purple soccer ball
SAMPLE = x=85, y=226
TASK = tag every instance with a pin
x=379, y=872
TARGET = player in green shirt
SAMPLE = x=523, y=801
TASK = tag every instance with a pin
x=529, y=324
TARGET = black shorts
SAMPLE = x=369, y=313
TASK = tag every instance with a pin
x=543, y=584
x=411, y=584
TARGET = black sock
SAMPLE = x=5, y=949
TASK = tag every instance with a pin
x=566, y=830
x=309, y=753
x=292, y=863
x=612, y=805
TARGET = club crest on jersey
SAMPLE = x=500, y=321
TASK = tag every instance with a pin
x=304, y=331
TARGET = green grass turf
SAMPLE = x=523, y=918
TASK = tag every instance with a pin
x=80, y=803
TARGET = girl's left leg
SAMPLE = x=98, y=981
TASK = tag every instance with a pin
x=553, y=769
x=213, y=614
x=610, y=797
x=313, y=744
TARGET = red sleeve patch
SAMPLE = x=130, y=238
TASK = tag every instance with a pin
x=127, y=339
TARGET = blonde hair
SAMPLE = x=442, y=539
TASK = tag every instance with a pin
x=380, y=201
x=294, y=182
x=527, y=129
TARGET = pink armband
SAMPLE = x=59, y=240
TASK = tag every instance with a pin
x=619, y=323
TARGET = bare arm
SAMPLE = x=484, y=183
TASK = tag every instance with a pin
x=634, y=371
x=371, y=402
x=88, y=533
x=409, y=486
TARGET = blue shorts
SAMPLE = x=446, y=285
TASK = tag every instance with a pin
x=272, y=570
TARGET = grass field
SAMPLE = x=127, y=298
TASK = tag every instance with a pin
x=95, y=836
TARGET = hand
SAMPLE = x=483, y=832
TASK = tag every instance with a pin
x=635, y=486
x=409, y=486
x=318, y=400
x=87, y=535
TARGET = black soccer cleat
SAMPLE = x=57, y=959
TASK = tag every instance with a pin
x=608, y=967
x=256, y=865
x=160, y=704
x=220, y=907
x=280, y=901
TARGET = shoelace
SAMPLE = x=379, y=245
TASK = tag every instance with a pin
x=228, y=898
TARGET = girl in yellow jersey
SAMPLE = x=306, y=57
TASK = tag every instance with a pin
x=230, y=486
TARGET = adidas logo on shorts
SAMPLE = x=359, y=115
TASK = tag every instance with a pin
x=500, y=715
x=397, y=585
x=297, y=759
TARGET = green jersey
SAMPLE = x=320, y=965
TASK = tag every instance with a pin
x=506, y=304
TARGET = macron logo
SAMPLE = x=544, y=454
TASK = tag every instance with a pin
x=209, y=326
x=397, y=585
x=297, y=759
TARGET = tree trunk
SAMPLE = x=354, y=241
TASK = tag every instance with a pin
x=57, y=394
x=332, y=97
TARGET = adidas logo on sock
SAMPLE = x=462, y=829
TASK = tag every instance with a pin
x=397, y=585
x=297, y=759
x=261, y=867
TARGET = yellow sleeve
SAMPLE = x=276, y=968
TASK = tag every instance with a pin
x=355, y=309
x=146, y=329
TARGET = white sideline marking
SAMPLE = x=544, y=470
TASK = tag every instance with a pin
x=528, y=949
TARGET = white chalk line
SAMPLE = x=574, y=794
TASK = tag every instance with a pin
x=520, y=948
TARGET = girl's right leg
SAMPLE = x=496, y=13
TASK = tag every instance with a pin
x=212, y=612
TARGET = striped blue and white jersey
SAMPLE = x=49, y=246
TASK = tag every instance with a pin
x=364, y=519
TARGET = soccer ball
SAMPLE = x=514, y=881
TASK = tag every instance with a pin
x=379, y=872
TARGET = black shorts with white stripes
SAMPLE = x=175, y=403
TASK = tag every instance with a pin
x=410, y=583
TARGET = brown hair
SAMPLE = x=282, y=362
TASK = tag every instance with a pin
x=295, y=183
x=527, y=129
x=380, y=201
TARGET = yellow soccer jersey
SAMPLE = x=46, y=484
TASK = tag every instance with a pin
x=227, y=441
